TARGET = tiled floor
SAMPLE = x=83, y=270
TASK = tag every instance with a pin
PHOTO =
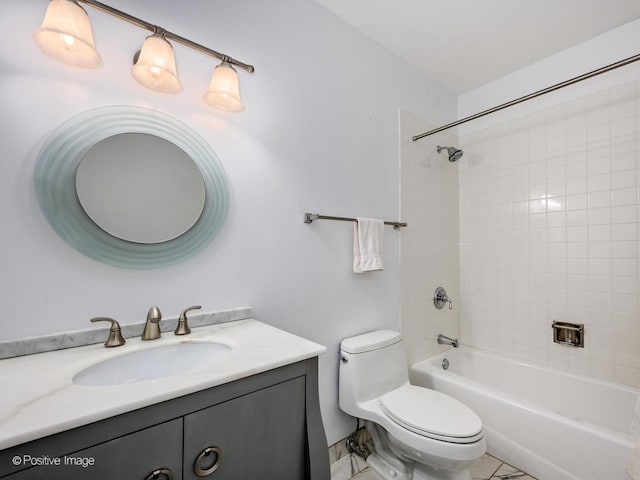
x=492, y=468
x=486, y=468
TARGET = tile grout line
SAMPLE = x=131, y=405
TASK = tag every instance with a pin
x=496, y=470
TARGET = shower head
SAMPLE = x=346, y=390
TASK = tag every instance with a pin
x=454, y=153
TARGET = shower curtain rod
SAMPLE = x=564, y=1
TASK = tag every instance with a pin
x=544, y=91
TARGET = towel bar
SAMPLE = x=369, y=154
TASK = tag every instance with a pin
x=310, y=217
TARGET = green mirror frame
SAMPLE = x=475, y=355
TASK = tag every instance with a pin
x=54, y=183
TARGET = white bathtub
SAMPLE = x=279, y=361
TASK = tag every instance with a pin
x=552, y=424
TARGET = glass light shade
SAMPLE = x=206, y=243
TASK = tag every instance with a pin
x=155, y=65
x=66, y=35
x=224, y=89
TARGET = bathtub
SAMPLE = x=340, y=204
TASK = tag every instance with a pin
x=553, y=425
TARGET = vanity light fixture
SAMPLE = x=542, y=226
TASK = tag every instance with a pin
x=154, y=65
x=66, y=35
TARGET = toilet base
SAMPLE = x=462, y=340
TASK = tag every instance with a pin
x=390, y=467
x=420, y=472
x=387, y=471
x=425, y=472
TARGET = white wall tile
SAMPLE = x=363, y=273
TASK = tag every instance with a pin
x=623, y=126
x=579, y=233
x=624, y=214
x=627, y=375
x=600, y=199
x=565, y=245
x=600, y=181
x=602, y=369
x=576, y=185
x=625, y=196
x=626, y=285
x=624, y=179
x=599, y=233
x=623, y=160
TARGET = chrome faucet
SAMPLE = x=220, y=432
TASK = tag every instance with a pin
x=152, y=327
x=444, y=340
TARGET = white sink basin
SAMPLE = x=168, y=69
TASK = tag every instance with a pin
x=152, y=363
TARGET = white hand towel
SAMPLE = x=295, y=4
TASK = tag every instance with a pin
x=368, y=235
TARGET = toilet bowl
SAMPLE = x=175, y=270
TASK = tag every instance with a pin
x=419, y=433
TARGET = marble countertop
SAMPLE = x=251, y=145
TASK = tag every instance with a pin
x=39, y=397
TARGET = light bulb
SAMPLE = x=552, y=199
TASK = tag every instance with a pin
x=68, y=39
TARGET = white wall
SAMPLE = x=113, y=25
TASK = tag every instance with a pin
x=319, y=133
x=549, y=211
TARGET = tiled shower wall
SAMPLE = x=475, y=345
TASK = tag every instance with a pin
x=429, y=246
x=549, y=210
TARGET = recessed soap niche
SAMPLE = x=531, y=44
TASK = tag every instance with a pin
x=571, y=334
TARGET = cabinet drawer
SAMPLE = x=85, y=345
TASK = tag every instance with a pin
x=260, y=435
x=131, y=457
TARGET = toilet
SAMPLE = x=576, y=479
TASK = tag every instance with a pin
x=419, y=433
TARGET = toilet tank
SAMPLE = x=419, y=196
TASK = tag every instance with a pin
x=371, y=365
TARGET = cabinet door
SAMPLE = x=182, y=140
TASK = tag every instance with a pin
x=131, y=457
x=260, y=436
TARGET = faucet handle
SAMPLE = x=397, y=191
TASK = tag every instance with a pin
x=183, y=326
x=115, y=334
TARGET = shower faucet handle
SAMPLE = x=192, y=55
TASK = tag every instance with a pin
x=440, y=298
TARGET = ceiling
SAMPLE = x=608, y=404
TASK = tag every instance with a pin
x=463, y=44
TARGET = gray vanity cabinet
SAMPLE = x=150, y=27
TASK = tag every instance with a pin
x=259, y=436
x=263, y=427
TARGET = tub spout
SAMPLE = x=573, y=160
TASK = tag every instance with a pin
x=444, y=340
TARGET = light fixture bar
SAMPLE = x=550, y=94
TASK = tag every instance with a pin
x=167, y=34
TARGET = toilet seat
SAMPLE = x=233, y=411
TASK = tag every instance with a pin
x=432, y=414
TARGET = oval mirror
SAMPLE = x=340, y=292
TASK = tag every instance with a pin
x=98, y=150
x=140, y=188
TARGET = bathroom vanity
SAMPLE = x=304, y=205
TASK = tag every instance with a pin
x=252, y=415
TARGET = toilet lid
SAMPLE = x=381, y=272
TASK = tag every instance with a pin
x=432, y=414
